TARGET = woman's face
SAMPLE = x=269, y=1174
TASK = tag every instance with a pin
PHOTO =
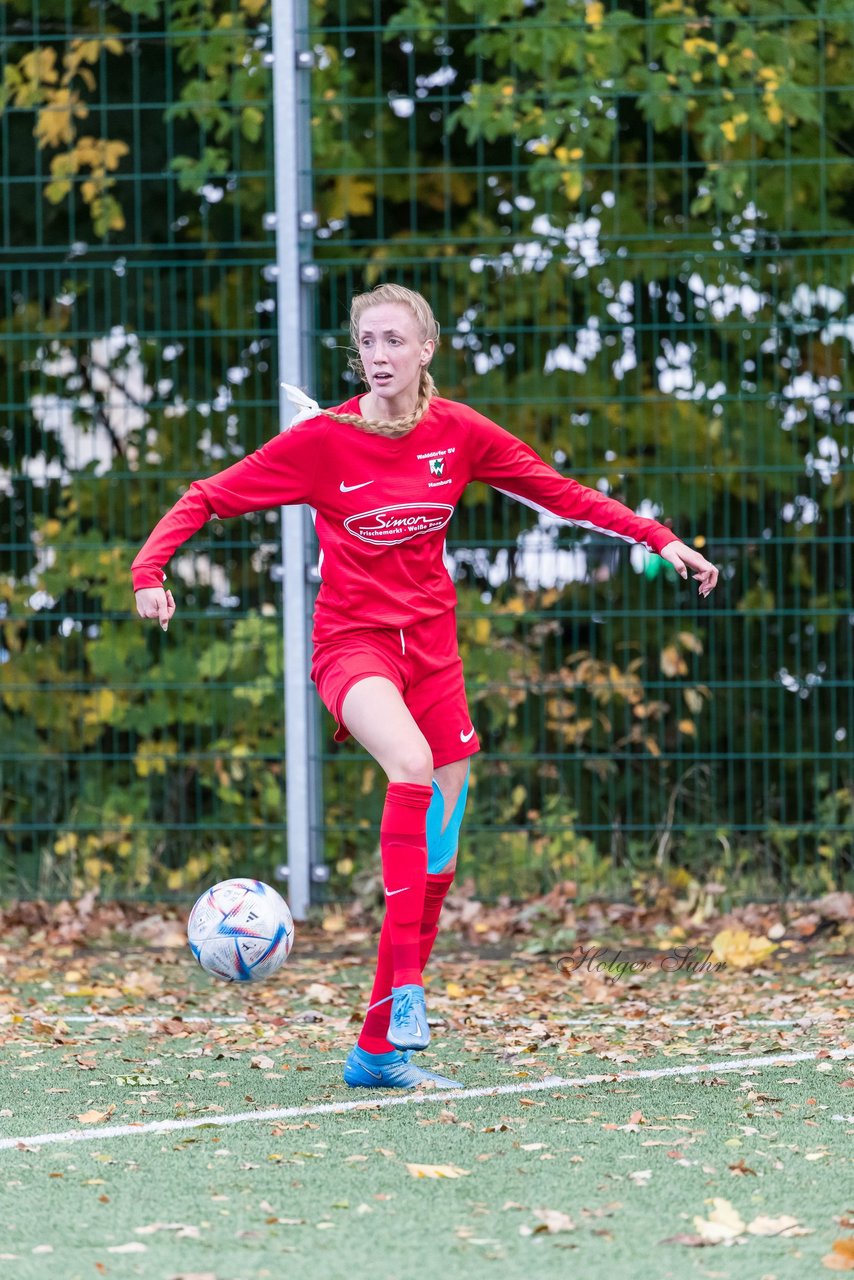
x=392, y=350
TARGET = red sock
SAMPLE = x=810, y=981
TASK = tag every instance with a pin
x=434, y=896
x=403, y=846
x=373, y=1036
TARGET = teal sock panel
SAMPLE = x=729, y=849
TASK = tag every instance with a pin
x=442, y=845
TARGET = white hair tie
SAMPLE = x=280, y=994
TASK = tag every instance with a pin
x=307, y=407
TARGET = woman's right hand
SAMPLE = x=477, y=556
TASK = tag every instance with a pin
x=154, y=602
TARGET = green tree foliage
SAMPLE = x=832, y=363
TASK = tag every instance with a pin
x=631, y=219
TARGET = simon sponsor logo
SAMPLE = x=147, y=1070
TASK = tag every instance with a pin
x=387, y=526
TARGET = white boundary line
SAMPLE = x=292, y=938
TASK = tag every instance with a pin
x=252, y=1016
x=453, y=1095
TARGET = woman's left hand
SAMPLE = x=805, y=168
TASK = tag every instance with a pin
x=684, y=558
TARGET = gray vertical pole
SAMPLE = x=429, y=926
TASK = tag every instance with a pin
x=291, y=151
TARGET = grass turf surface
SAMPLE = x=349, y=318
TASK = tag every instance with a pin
x=622, y=1165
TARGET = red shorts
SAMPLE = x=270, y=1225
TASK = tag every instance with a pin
x=422, y=662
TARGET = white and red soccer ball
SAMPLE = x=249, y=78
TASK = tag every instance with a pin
x=241, y=930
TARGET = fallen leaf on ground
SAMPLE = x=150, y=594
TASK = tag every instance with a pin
x=97, y=1117
x=783, y=1226
x=723, y=1223
x=841, y=1256
x=550, y=1221
x=320, y=993
x=740, y=949
x=262, y=1063
x=182, y=1230
x=684, y=1237
x=436, y=1171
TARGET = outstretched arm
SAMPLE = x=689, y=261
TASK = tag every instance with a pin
x=279, y=473
x=514, y=468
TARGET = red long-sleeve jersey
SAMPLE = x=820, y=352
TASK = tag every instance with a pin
x=381, y=507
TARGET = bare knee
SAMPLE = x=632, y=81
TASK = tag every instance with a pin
x=412, y=763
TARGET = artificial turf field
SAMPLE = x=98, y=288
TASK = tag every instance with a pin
x=731, y=1157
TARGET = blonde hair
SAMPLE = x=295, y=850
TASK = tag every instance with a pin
x=428, y=329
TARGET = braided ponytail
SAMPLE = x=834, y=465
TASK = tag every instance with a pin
x=394, y=428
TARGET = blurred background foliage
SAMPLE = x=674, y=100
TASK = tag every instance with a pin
x=634, y=223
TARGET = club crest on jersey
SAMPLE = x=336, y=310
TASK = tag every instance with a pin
x=437, y=466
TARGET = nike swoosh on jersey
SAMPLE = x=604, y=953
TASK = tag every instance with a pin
x=466, y=737
x=347, y=488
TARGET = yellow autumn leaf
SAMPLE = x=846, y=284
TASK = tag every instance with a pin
x=482, y=629
x=573, y=184
x=151, y=757
x=436, y=1171
x=100, y=707
x=40, y=66
x=740, y=949
x=334, y=922
x=94, y=868
x=253, y=7
x=671, y=661
x=723, y=1223
x=730, y=128
x=112, y=153
x=774, y=112
x=687, y=727
x=454, y=990
x=83, y=51
x=594, y=13
x=351, y=196
x=55, y=121
x=107, y=215
x=696, y=45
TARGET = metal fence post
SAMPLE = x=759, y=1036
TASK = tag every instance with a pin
x=291, y=161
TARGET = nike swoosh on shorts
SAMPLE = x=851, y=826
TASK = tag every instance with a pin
x=464, y=737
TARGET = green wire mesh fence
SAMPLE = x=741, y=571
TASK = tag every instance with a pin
x=633, y=223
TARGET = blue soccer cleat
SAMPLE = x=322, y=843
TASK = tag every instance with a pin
x=408, y=1027
x=362, y=1070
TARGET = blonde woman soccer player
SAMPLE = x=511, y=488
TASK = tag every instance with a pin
x=383, y=472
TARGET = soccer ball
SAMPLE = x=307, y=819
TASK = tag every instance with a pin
x=241, y=930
